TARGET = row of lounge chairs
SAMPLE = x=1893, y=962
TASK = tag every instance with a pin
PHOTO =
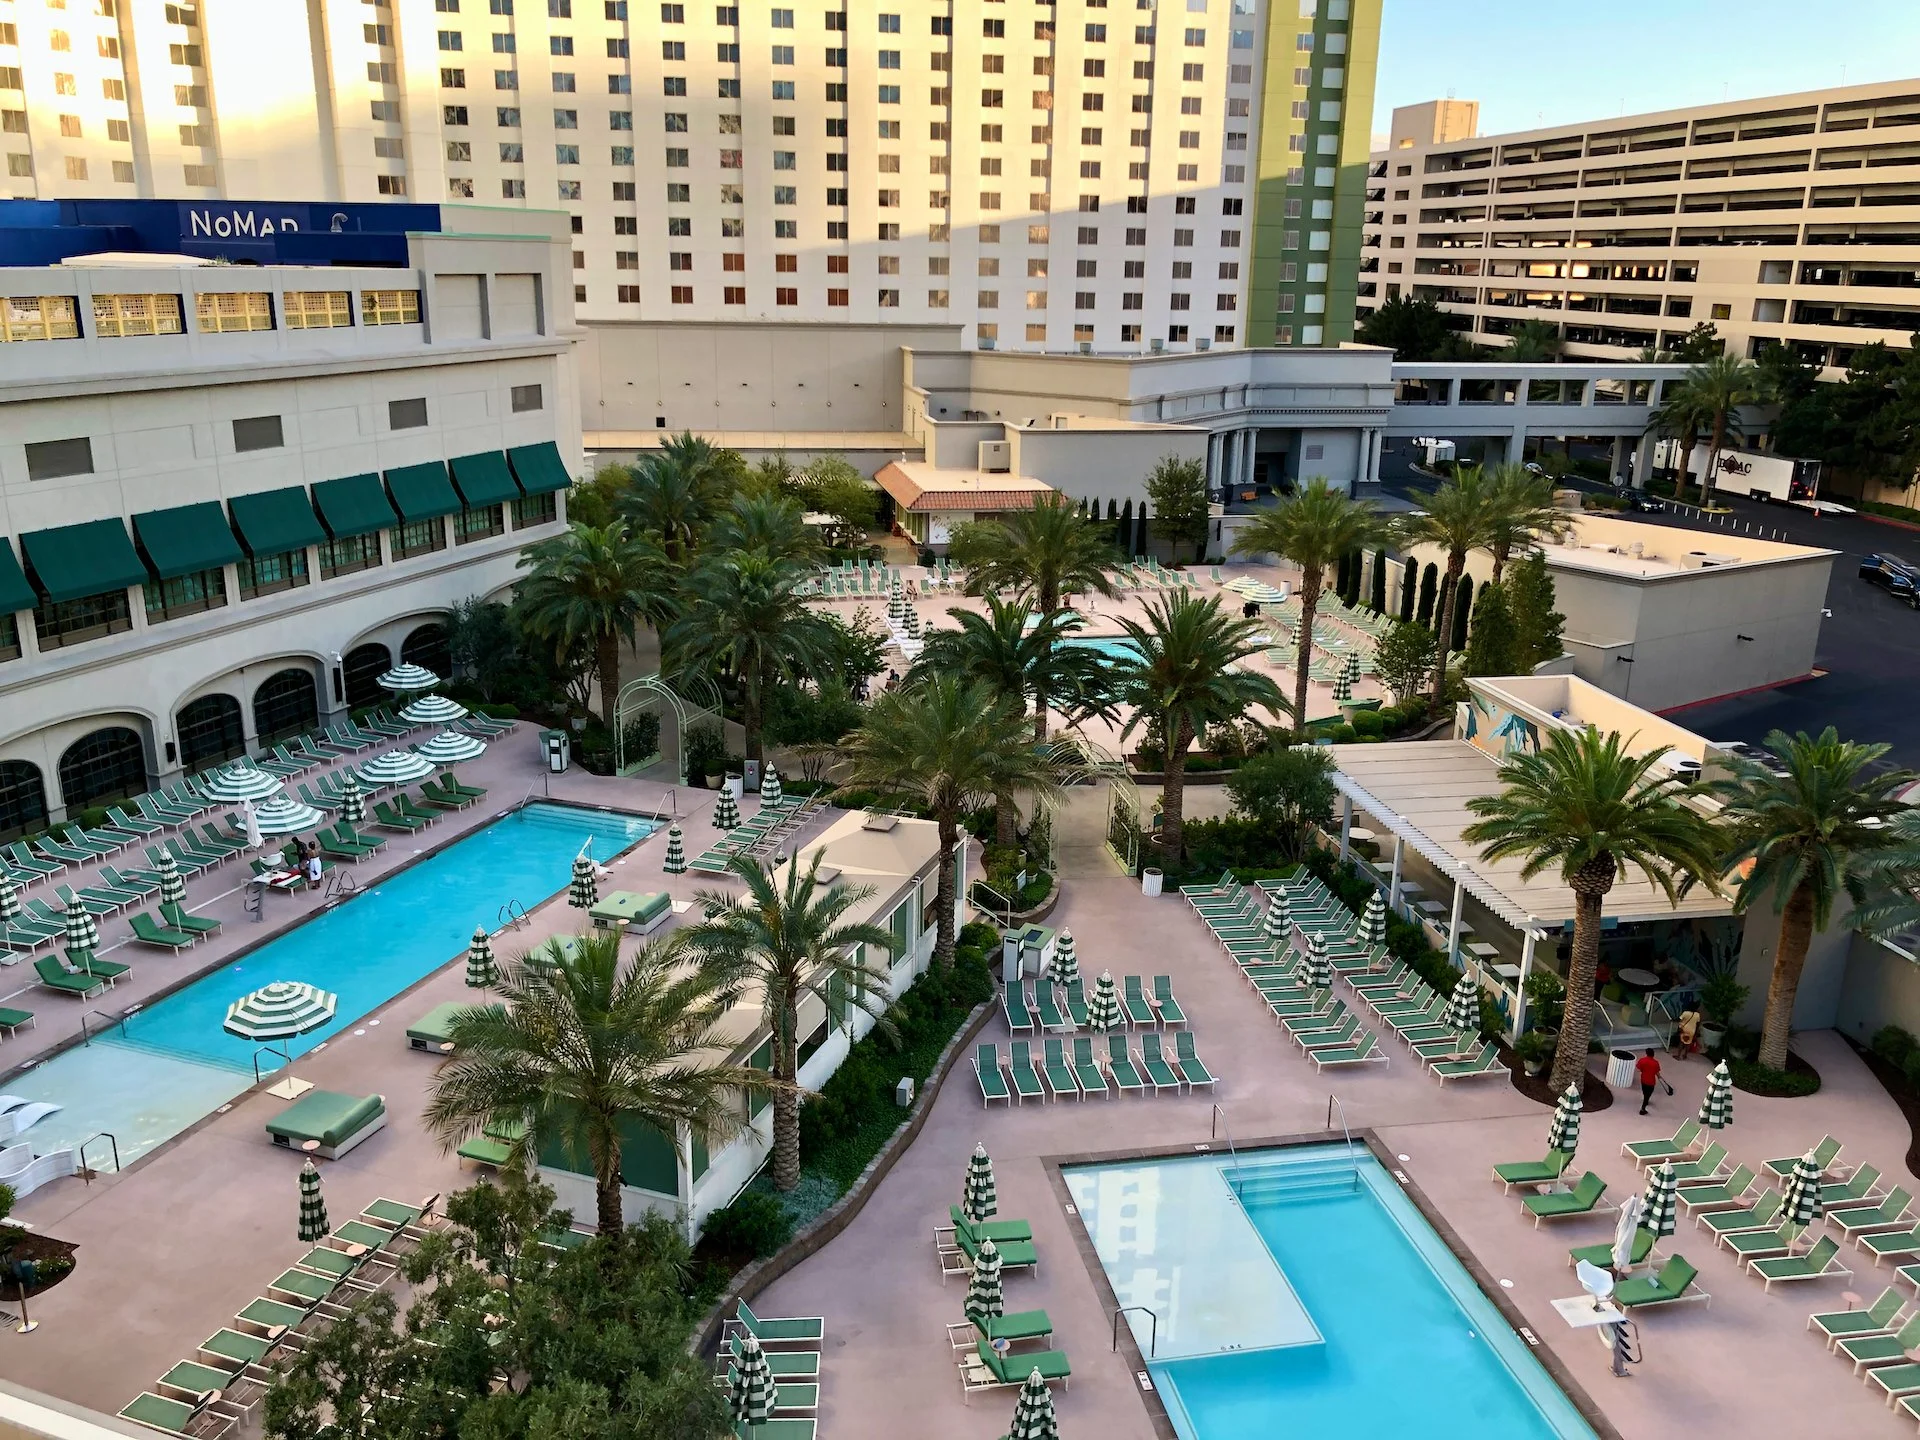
x=1880, y=1341
x=1065, y=1008
x=1086, y=1071
x=769, y=825
x=984, y=1349
x=791, y=1347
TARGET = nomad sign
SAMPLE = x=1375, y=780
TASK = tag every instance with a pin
x=238, y=224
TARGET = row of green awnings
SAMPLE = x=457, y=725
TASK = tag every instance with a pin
x=484, y=479
x=354, y=505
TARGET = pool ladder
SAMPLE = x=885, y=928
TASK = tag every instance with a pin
x=1333, y=1104
x=270, y=1049
x=511, y=916
x=82, y=1168
x=1153, y=1333
x=340, y=886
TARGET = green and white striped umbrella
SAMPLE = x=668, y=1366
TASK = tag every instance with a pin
x=1342, y=688
x=726, y=810
x=1564, y=1132
x=242, y=780
x=1373, y=921
x=450, y=747
x=173, y=889
x=770, y=791
x=1103, y=1010
x=1801, y=1203
x=1066, y=965
x=1716, y=1110
x=1033, y=1417
x=750, y=1392
x=396, y=767
x=280, y=1010
x=1352, y=668
x=353, y=800
x=284, y=815
x=675, y=862
x=1463, y=1007
x=407, y=679
x=433, y=710
x=83, y=932
x=583, y=893
x=1660, y=1201
x=313, y=1210
x=1315, y=971
x=482, y=972
x=1278, y=921
x=983, y=1291
x=10, y=897
x=979, y=1198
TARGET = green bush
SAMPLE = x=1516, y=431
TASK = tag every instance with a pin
x=1369, y=724
x=641, y=736
x=1910, y=1067
x=705, y=751
x=1893, y=1044
x=1756, y=1079
x=497, y=711
x=91, y=818
x=754, y=1226
x=1340, y=734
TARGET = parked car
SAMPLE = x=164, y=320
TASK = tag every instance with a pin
x=1759, y=754
x=1647, y=504
x=1901, y=578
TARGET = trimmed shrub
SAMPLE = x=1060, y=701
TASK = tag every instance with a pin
x=755, y=1225
x=1894, y=1045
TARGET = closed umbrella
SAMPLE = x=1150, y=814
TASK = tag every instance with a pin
x=1373, y=921
x=1624, y=1233
x=1352, y=668
x=240, y=781
x=980, y=1197
x=280, y=1010
x=173, y=889
x=83, y=932
x=770, y=791
x=1716, y=1110
x=396, y=767
x=283, y=815
x=1342, y=688
x=675, y=862
x=584, y=891
x=1277, y=922
x=450, y=747
x=726, y=810
x=482, y=973
x=353, y=800
x=10, y=897
x=1801, y=1203
x=1066, y=965
x=408, y=679
x=984, y=1299
x=313, y=1209
x=1463, y=1008
x=1033, y=1417
x=1564, y=1132
x=1103, y=1011
x=433, y=710
x=250, y=819
x=1315, y=972
x=750, y=1389
x=1659, y=1204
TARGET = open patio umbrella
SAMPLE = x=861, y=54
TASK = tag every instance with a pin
x=1373, y=921
x=282, y=815
x=83, y=931
x=396, y=767
x=280, y=1010
x=983, y=1291
x=979, y=1198
x=1065, y=968
x=313, y=1210
x=250, y=822
x=1103, y=1011
x=450, y=747
x=173, y=889
x=1716, y=1110
x=10, y=897
x=675, y=862
x=1564, y=1132
x=750, y=1388
x=726, y=810
x=242, y=780
x=583, y=893
x=770, y=791
x=408, y=679
x=433, y=710
x=353, y=800
x=1315, y=972
x=1624, y=1233
x=482, y=972
x=1660, y=1201
x=1033, y=1417
x=1463, y=1007
x=1801, y=1203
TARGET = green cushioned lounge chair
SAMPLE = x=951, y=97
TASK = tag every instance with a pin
x=800, y=1330
x=56, y=976
x=1884, y=1348
x=986, y=1070
x=1365, y=1051
x=785, y=1364
x=1055, y=1070
x=232, y=1349
x=1026, y=1081
x=998, y=1231
x=1087, y=1071
x=1889, y=1214
x=176, y=915
x=337, y=1122
x=1133, y=1003
x=1727, y=1194
x=1900, y=1244
x=149, y=931
x=1017, y=1326
x=794, y=1395
x=1582, y=1199
x=1677, y=1146
x=1013, y=1004
x=1154, y=1065
x=1762, y=1214
x=1126, y=1076
x=1014, y=1369
x=1712, y=1161
x=1602, y=1254
x=1532, y=1172
x=432, y=1031
x=1750, y=1244
x=303, y=1287
x=1824, y=1154
x=157, y=1412
x=1014, y=1254
x=1671, y=1286
x=1893, y=1381
x=1875, y=1319
x=1822, y=1261
x=1169, y=1008
x=271, y=1319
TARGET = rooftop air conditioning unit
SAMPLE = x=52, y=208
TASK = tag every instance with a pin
x=996, y=457
x=880, y=823
x=1158, y=345
x=1683, y=767
x=1203, y=344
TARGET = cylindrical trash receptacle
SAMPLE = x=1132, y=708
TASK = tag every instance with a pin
x=1619, y=1068
x=557, y=748
x=1150, y=881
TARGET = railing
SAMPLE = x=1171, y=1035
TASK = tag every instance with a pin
x=511, y=916
x=106, y=1135
x=1153, y=1331
x=1333, y=1104
x=673, y=802
x=340, y=886
x=980, y=887
x=86, y=1037
x=269, y=1049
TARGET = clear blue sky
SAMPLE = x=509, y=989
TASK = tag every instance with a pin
x=1529, y=63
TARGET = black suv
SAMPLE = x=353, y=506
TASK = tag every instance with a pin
x=1900, y=577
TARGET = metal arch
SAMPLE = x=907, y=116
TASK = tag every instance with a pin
x=1125, y=824
x=649, y=691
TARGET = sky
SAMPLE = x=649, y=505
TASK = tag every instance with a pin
x=1531, y=64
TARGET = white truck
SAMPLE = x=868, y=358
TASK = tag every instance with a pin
x=1747, y=472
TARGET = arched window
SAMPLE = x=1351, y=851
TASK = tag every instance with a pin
x=23, y=798
x=285, y=704
x=105, y=765
x=427, y=648
x=210, y=732
x=361, y=672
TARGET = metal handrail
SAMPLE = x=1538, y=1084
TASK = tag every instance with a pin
x=1006, y=905
x=81, y=1154
x=673, y=802
x=271, y=1048
x=340, y=885
x=511, y=916
x=1333, y=1103
x=1153, y=1331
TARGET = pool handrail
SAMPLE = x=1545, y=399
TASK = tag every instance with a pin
x=1153, y=1332
x=81, y=1153
x=1333, y=1103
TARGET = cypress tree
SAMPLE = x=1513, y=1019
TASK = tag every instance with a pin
x=1356, y=573
x=1537, y=625
x=1492, y=647
x=1340, y=576
x=1377, y=599
x=1429, y=586
x=1409, y=581
x=1462, y=607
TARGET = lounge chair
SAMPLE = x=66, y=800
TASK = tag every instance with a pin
x=1026, y=1081
x=1762, y=1214
x=1186, y=1060
x=432, y=1031
x=191, y=856
x=788, y=1397
x=1134, y=1004
x=176, y=915
x=1225, y=885
x=132, y=882
x=97, y=905
x=342, y=837
x=384, y=725
x=488, y=1152
x=1894, y=1381
x=1056, y=1071
x=1875, y=1319
x=1863, y=1184
x=1889, y=1214
x=986, y=1069
x=1169, y=1008
x=1755, y=1244
x=336, y=1122
x=450, y=792
x=1531, y=1172
x=333, y=849
x=1014, y=1369
x=132, y=824
x=404, y=806
x=11, y=1019
x=232, y=1349
x=1093, y=1080
x=231, y=843
x=1015, y=1327
x=1822, y=1261
x=326, y=804
x=1366, y=1051
x=350, y=833
x=346, y=739
x=149, y=931
x=187, y=865
x=1582, y=1199
x=1014, y=1254
x=1013, y=1004
x=27, y=863
x=302, y=1287
x=1601, y=1255
x=785, y=1364
x=1899, y=1244
x=1329, y=1038
x=802, y=1331
x=1712, y=1161
x=998, y=1231
x=1075, y=994
x=56, y=976
x=57, y=850
x=1882, y=1347
x=1677, y=1146
x=196, y=1417
x=1672, y=1285
x=1728, y=1194
x=385, y=814
x=1045, y=1008
x=1824, y=1154
x=1486, y=1061
x=1126, y=1077
x=1154, y=1066
x=452, y=784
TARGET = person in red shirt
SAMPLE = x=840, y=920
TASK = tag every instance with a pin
x=1647, y=1068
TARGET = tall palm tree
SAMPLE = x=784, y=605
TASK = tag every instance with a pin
x=1808, y=835
x=1533, y=340
x=789, y=938
x=1721, y=386
x=950, y=745
x=1188, y=678
x=1045, y=553
x=1313, y=528
x=677, y=491
x=1893, y=902
x=1680, y=418
x=1456, y=518
x=581, y=1048
x=1520, y=512
x=592, y=587
x=1588, y=808
x=771, y=523
x=745, y=616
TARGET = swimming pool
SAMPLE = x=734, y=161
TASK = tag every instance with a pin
x=170, y=1064
x=1299, y=1291
x=1118, y=649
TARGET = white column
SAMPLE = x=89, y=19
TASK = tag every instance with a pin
x=1393, y=888
x=1246, y=460
x=1613, y=462
x=1453, y=925
x=1520, y=985
x=1346, y=826
x=1516, y=445
x=683, y=1173
x=1643, y=461
x=1215, y=443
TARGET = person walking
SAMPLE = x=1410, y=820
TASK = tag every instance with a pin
x=1647, y=1068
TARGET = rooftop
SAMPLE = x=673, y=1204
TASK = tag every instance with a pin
x=1632, y=550
x=918, y=486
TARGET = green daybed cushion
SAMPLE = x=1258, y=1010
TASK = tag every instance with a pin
x=326, y=1116
x=431, y=1030
x=653, y=904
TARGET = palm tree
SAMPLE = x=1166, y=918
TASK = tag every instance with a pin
x=676, y=492
x=789, y=938
x=949, y=744
x=1893, y=906
x=1801, y=838
x=1681, y=418
x=1313, y=528
x=591, y=587
x=772, y=524
x=1533, y=340
x=581, y=1049
x=1520, y=512
x=1720, y=387
x=1587, y=807
x=1188, y=678
x=1044, y=553
x=1456, y=518
x=745, y=616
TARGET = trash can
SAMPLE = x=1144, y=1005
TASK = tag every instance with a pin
x=557, y=746
x=1620, y=1068
x=1150, y=881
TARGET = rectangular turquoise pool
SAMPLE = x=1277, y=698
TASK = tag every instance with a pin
x=1300, y=1292
x=1115, y=649
x=172, y=1063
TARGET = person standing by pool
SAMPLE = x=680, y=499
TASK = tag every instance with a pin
x=313, y=864
x=1647, y=1068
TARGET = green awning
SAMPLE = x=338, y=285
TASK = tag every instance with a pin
x=15, y=593
x=422, y=491
x=356, y=505
x=187, y=539
x=484, y=479
x=276, y=521
x=74, y=561
x=539, y=469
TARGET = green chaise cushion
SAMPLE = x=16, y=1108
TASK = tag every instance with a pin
x=1021, y=1325
x=1013, y=1369
x=326, y=1116
x=434, y=1029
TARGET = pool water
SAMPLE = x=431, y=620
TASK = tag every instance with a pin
x=1406, y=1342
x=1117, y=649
x=172, y=1063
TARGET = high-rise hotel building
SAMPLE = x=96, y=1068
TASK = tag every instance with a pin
x=1121, y=173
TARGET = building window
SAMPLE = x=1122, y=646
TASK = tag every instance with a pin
x=185, y=595
x=59, y=623
x=525, y=398
x=681, y=294
x=733, y=295
x=270, y=574
x=23, y=795
x=389, y=307
x=478, y=522
x=101, y=766
x=118, y=316
x=349, y=554
x=258, y=432
x=54, y=459
x=531, y=510
x=407, y=414
x=419, y=537
x=222, y=311
x=39, y=317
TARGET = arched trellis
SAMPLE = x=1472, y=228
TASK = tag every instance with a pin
x=689, y=698
x=1126, y=821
